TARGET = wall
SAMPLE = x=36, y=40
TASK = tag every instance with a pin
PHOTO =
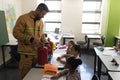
x=28, y=5
x=71, y=17
x=17, y=6
x=104, y=15
x=113, y=24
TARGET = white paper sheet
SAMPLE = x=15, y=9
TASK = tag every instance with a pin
x=110, y=51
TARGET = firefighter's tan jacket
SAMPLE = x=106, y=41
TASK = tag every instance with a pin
x=26, y=28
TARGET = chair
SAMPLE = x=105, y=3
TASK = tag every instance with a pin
x=83, y=43
x=100, y=43
x=95, y=77
x=14, y=53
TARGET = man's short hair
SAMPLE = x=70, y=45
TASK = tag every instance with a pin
x=43, y=6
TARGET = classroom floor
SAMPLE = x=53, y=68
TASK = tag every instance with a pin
x=86, y=68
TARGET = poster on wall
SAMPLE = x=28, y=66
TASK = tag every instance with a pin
x=9, y=7
x=1, y=4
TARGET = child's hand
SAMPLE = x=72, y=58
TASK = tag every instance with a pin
x=58, y=58
x=54, y=78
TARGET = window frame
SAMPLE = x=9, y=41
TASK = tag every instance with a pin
x=52, y=11
x=93, y=12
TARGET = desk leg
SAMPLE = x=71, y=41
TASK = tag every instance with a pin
x=3, y=55
x=88, y=44
x=109, y=77
x=99, y=67
x=63, y=40
x=95, y=62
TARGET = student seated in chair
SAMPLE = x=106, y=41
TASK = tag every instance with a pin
x=71, y=71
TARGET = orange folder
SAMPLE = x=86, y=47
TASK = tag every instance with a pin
x=50, y=69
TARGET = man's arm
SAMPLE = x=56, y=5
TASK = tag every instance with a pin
x=19, y=31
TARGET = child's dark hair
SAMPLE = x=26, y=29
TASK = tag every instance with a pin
x=73, y=62
x=77, y=48
x=72, y=42
x=43, y=6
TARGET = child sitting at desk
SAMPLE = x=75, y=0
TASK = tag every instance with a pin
x=75, y=51
x=71, y=71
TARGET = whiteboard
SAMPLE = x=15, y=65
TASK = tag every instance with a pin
x=3, y=29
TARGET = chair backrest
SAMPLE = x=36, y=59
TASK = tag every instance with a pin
x=103, y=39
x=95, y=77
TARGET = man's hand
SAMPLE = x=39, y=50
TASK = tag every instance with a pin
x=54, y=77
x=58, y=58
x=37, y=43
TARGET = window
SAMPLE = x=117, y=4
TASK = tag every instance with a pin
x=53, y=18
x=91, y=18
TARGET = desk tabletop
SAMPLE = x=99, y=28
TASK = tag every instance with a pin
x=11, y=43
x=118, y=37
x=114, y=75
x=110, y=65
x=55, y=37
x=36, y=74
x=106, y=60
x=93, y=36
x=58, y=53
x=68, y=35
